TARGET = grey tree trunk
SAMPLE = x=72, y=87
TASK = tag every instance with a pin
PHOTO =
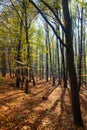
x=19, y=56
x=47, y=44
x=80, y=50
x=3, y=69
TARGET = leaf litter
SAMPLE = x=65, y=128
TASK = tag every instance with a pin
x=19, y=111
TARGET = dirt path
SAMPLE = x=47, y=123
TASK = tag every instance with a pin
x=20, y=111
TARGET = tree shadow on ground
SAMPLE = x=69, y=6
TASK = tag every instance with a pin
x=26, y=114
x=43, y=113
x=48, y=93
x=83, y=103
x=38, y=121
x=9, y=100
x=39, y=92
x=36, y=99
x=5, y=89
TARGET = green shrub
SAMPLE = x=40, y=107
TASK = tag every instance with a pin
x=1, y=80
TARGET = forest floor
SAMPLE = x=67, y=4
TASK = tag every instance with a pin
x=20, y=111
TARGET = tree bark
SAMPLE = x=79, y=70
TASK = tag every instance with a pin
x=80, y=50
x=18, y=56
x=47, y=40
x=71, y=67
x=3, y=70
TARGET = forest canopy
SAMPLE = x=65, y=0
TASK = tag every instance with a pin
x=45, y=39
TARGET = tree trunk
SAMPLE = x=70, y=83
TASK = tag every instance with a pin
x=58, y=61
x=80, y=50
x=47, y=42
x=27, y=42
x=3, y=64
x=71, y=67
x=63, y=63
x=51, y=65
x=18, y=56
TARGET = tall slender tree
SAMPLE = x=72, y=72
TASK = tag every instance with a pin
x=70, y=56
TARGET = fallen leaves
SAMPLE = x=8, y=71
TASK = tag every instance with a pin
x=19, y=111
x=26, y=128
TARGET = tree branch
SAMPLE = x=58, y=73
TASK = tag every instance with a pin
x=56, y=16
x=31, y=20
x=42, y=14
x=17, y=11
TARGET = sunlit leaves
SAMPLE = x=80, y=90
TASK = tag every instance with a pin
x=81, y=3
x=54, y=3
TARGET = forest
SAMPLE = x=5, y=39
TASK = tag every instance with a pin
x=43, y=64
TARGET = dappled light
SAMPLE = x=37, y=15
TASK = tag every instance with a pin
x=20, y=111
x=43, y=65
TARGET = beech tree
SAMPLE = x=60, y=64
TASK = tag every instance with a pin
x=48, y=50
x=67, y=28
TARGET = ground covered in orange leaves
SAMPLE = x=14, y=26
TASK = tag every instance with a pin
x=20, y=111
